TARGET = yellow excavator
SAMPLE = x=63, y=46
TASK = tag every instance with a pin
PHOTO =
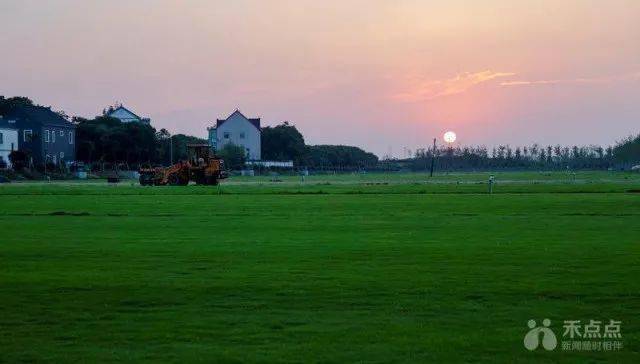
x=202, y=167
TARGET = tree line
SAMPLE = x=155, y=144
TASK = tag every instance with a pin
x=623, y=155
x=107, y=140
x=285, y=142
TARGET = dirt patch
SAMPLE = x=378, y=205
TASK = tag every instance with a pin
x=594, y=214
x=67, y=213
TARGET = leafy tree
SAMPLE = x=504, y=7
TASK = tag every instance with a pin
x=163, y=134
x=7, y=104
x=233, y=156
x=627, y=150
x=179, y=144
x=108, y=139
x=283, y=142
x=340, y=156
x=509, y=153
x=163, y=146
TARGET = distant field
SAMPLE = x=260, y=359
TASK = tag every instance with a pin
x=358, y=183
x=338, y=268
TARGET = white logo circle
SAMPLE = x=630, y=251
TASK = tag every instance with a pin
x=532, y=338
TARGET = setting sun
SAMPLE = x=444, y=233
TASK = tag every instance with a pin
x=449, y=137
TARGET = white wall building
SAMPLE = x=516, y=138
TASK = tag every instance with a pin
x=239, y=130
x=8, y=140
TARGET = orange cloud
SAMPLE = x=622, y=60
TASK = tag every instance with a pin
x=431, y=89
x=594, y=80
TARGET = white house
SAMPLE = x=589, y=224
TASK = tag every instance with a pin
x=239, y=130
x=125, y=115
x=8, y=139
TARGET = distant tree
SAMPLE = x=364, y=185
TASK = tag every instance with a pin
x=627, y=150
x=283, y=142
x=111, y=108
x=609, y=153
x=518, y=154
x=534, y=151
x=566, y=154
x=233, y=156
x=138, y=142
x=575, y=152
x=7, y=104
x=509, y=154
x=164, y=147
x=63, y=114
x=163, y=134
x=108, y=139
x=340, y=156
x=179, y=142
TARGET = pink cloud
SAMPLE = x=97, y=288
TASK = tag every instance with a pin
x=423, y=90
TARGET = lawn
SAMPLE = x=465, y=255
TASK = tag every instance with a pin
x=366, y=268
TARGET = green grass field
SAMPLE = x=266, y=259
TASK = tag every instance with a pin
x=342, y=268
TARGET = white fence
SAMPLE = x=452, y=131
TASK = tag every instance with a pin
x=279, y=164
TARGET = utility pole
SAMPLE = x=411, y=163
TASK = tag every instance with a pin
x=171, y=148
x=433, y=157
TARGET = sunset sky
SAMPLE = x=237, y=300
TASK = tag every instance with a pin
x=382, y=75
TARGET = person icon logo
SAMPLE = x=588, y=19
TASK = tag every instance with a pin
x=532, y=338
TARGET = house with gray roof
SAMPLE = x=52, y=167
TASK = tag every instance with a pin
x=239, y=130
x=125, y=115
x=43, y=134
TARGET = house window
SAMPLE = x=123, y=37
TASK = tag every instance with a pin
x=53, y=136
x=46, y=136
x=27, y=136
x=70, y=137
x=227, y=135
x=241, y=135
x=61, y=155
x=1, y=138
x=61, y=133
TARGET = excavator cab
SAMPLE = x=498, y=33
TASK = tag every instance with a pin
x=206, y=167
x=198, y=153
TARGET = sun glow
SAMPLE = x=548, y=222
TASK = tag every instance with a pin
x=449, y=137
